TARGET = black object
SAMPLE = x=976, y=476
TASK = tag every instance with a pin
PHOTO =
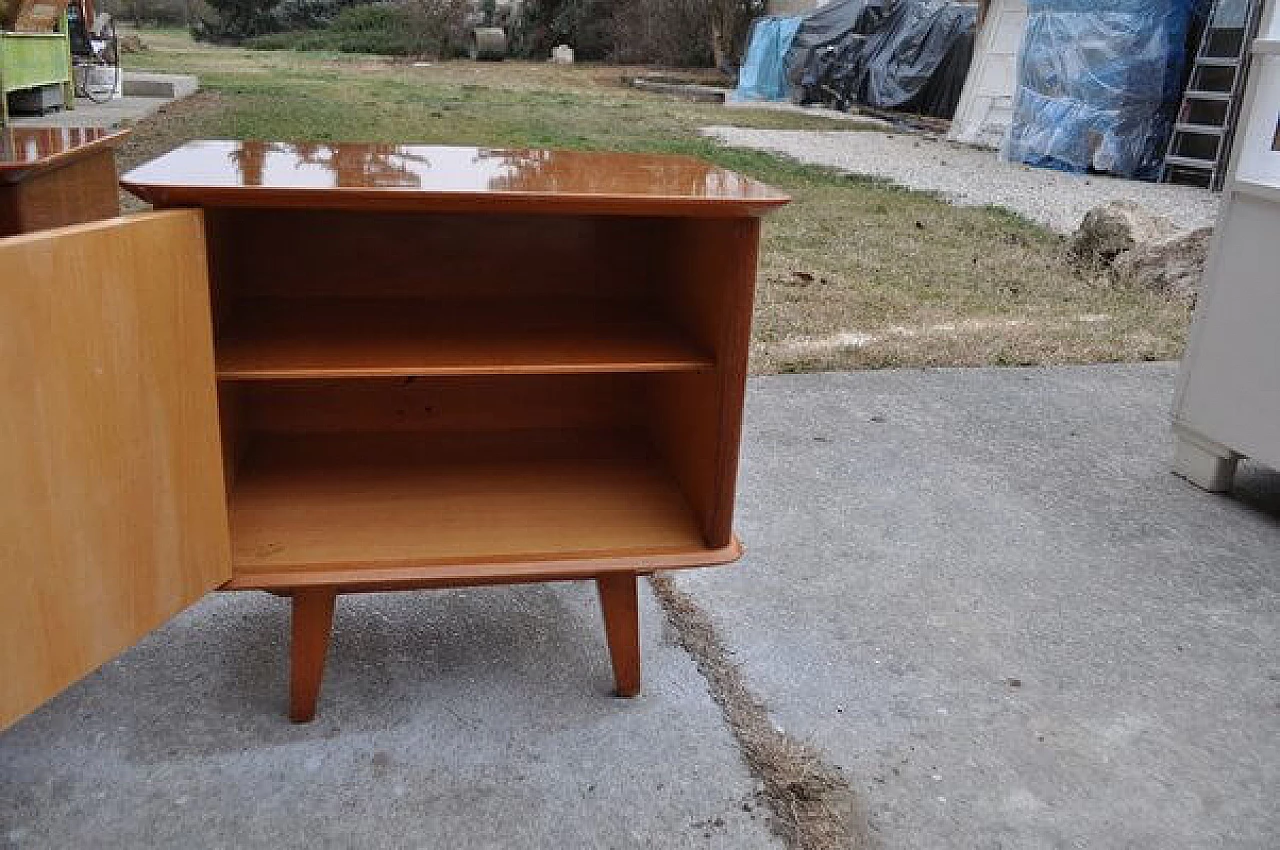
x=907, y=55
x=77, y=32
x=824, y=36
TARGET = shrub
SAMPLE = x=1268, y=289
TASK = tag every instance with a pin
x=152, y=12
x=730, y=22
x=666, y=32
x=585, y=25
x=439, y=26
x=367, y=29
x=407, y=28
x=310, y=14
x=237, y=19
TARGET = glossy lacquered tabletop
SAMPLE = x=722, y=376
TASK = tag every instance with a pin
x=24, y=149
x=423, y=177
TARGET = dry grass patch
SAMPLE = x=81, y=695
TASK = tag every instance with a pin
x=888, y=277
x=812, y=805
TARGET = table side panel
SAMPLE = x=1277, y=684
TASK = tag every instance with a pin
x=697, y=417
x=82, y=190
x=1232, y=371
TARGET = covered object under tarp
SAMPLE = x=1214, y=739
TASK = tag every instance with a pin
x=1098, y=84
x=908, y=55
x=832, y=30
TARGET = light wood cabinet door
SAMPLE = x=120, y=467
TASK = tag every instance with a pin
x=113, y=512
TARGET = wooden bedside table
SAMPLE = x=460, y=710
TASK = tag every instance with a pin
x=370, y=367
x=51, y=176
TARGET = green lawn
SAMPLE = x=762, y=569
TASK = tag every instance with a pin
x=855, y=273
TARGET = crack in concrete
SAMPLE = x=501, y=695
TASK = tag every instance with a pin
x=813, y=807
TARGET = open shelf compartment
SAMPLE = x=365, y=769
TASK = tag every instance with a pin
x=333, y=479
x=479, y=397
x=347, y=502
x=337, y=337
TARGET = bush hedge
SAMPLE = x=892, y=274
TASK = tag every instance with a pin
x=385, y=29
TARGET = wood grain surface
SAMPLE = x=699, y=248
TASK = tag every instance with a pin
x=335, y=337
x=353, y=501
x=112, y=508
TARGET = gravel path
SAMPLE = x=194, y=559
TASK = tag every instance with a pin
x=974, y=177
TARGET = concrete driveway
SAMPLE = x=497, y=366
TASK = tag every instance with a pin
x=982, y=594
x=977, y=594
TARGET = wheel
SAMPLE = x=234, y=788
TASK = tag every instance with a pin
x=101, y=71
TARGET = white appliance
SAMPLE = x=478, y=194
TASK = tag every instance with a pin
x=1228, y=398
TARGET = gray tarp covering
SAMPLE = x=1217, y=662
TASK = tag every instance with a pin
x=892, y=54
x=826, y=33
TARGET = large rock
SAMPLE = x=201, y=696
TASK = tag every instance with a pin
x=1140, y=248
x=1115, y=227
x=1171, y=266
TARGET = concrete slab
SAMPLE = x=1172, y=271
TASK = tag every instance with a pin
x=171, y=86
x=466, y=719
x=144, y=95
x=980, y=592
x=864, y=121
x=983, y=594
x=113, y=113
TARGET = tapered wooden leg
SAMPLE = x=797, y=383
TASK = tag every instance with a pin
x=312, y=622
x=620, y=603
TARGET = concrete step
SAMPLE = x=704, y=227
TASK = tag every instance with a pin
x=688, y=91
x=168, y=86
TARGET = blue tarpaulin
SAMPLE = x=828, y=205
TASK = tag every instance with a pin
x=1098, y=84
x=764, y=69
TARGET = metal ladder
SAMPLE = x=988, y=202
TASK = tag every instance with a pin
x=1201, y=142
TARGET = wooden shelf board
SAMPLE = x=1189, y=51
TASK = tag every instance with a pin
x=377, y=578
x=269, y=339
x=392, y=506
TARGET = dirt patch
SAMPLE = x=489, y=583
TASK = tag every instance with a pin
x=179, y=122
x=813, y=806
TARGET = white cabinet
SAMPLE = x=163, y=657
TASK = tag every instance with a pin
x=1228, y=399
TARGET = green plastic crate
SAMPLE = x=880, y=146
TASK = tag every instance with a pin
x=30, y=59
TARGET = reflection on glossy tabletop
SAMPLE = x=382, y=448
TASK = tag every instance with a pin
x=22, y=148
x=245, y=172
x=53, y=176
